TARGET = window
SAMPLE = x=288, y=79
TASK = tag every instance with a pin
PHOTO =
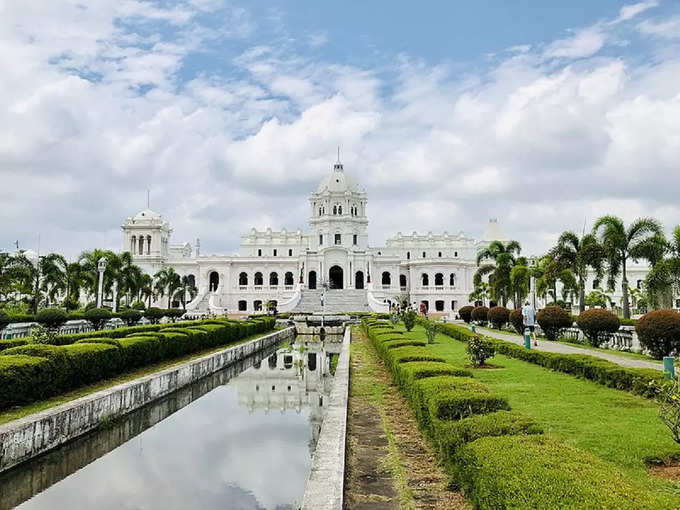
x=408, y=255
x=288, y=278
x=386, y=278
x=257, y=306
x=338, y=238
x=439, y=279
x=335, y=209
x=354, y=239
x=424, y=254
x=596, y=284
x=243, y=279
x=275, y=252
x=340, y=210
x=259, y=253
x=454, y=304
x=402, y=280
x=290, y=252
x=242, y=306
x=455, y=253
x=425, y=279
x=452, y=280
x=320, y=239
x=257, y=278
x=439, y=306
x=273, y=279
x=639, y=284
x=440, y=254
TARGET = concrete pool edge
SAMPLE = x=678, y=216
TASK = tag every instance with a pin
x=325, y=485
x=33, y=435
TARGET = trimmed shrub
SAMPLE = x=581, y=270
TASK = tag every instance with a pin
x=174, y=344
x=406, y=354
x=409, y=318
x=61, y=371
x=107, y=341
x=138, y=305
x=413, y=371
x=480, y=314
x=24, y=379
x=154, y=314
x=140, y=351
x=594, y=322
x=4, y=319
x=534, y=471
x=97, y=317
x=659, y=332
x=456, y=404
x=499, y=316
x=92, y=362
x=479, y=350
x=12, y=342
x=52, y=318
x=465, y=313
x=130, y=316
x=517, y=321
x=174, y=313
x=552, y=319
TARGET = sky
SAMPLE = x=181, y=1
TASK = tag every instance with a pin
x=544, y=115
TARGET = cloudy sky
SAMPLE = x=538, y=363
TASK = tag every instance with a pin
x=542, y=114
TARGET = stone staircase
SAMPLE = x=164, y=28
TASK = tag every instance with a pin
x=337, y=301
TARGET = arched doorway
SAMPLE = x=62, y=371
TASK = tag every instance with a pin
x=335, y=277
x=312, y=280
x=214, y=281
x=359, y=280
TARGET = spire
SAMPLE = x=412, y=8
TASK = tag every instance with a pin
x=337, y=167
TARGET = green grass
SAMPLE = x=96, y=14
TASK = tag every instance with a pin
x=614, y=425
x=623, y=354
x=15, y=413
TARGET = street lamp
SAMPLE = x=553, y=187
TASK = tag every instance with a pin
x=101, y=267
x=532, y=281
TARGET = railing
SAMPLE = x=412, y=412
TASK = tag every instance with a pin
x=242, y=287
x=386, y=286
x=623, y=339
x=289, y=287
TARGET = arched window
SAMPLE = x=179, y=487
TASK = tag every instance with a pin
x=311, y=361
x=257, y=279
x=386, y=278
x=257, y=305
x=425, y=279
x=639, y=284
x=319, y=211
x=424, y=254
x=133, y=245
x=596, y=284
x=402, y=280
x=452, y=280
x=242, y=306
x=273, y=279
x=439, y=279
x=439, y=306
x=408, y=255
x=335, y=209
x=214, y=281
x=141, y=245
x=148, y=245
x=440, y=254
x=340, y=210
x=243, y=278
x=288, y=278
x=192, y=280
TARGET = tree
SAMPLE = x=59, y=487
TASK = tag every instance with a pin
x=501, y=258
x=167, y=282
x=520, y=281
x=14, y=270
x=663, y=279
x=144, y=286
x=580, y=254
x=186, y=288
x=641, y=240
x=89, y=262
x=481, y=293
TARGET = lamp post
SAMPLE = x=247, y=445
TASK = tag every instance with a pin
x=101, y=267
x=532, y=281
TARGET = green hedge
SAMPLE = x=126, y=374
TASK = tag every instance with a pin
x=30, y=372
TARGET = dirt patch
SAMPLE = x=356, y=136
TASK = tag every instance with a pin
x=390, y=464
x=669, y=472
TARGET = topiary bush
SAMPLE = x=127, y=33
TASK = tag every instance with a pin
x=154, y=314
x=138, y=305
x=130, y=316
x=480, y=314
x=499, y=316
x=52, y=318
x=552, y=319
x=596, y=321
x=465, y=313
x=97, y=317
x=659, y=332
x=479, y=350
x=409, y=318
x=517, y=321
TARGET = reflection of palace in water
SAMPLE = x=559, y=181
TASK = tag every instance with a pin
x=292, y=378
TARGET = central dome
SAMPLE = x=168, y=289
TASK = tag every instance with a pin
x=338, y=182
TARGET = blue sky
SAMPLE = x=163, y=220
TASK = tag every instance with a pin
x=541, y=114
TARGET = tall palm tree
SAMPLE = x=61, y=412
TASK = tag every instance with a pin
x=167, y=281
x=89, y=261
x=128, y=276
x=520, y=281
x=640, y=240
x=481, y=293
x=663, y=279
x=54, y=277
x=580, y=254
x=144, y=286
x=500, y=259
x=14, y=271
x=186, y=288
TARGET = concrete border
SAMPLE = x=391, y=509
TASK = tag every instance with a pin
x=28, y=437
x=325, y=485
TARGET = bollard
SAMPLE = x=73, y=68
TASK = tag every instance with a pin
x=472, y=328
x=527, y=338
x=668, y=367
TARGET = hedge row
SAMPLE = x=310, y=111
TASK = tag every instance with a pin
x=641, y=381
x=32, y=372
x=499, y=458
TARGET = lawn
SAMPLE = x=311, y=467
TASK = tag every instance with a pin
x=612, y=424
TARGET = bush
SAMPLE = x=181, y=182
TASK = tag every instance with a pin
x=97, y=317
x=408, y=373
x=61, y=378
x=480, y=314
x=174, y=313
x=409, y=318
x=465, y=313
x=479, y=350
x=24, y=379
x=12, y=342
x=138, y=305
x=140, y=351
x=499, y=316
x=130, y=316
x=154, y=314
x=517, y=321
x=91, y=362
x=552, y=319
x=594, y=322
x=52, y=318
x=659, y=332
x=4, y=319
x=534, y=471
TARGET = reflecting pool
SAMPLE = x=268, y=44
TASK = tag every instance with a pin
x=242, y=438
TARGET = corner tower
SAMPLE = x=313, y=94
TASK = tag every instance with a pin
x=338, y=213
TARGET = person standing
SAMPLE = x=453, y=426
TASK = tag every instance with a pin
x=529, y=320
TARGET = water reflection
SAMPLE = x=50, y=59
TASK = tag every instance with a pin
x=214, y=444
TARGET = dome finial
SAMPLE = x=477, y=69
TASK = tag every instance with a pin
x=338, y=166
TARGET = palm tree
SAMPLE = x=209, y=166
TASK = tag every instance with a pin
x=167, y=281
x=640, y=240
x=501, y=259
x=144, y=286
x=186, y=287
x=663, y=279
x=481, y=293
x=13, y=273
x=520, y=281
x=89, y=261
x=54, y=277
x=128, y=276
x=580, y=255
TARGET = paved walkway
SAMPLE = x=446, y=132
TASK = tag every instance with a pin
x=548, y=346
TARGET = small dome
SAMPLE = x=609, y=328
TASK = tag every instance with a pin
x=147, y=214
x=338, y=182
x=494, y=232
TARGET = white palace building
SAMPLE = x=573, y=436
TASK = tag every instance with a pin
x=294, y=268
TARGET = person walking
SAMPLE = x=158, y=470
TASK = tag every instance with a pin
x=529, y=320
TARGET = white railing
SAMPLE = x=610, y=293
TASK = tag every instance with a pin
x=290, y=304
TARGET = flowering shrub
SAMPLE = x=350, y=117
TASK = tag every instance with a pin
x=430, y=331
x=409, y=318
x=42, y=335
x=669, y=412
x=479, y=350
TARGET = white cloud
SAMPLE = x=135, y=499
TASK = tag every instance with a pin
x=628, y=12
x=584, y=43
x=669, y=29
